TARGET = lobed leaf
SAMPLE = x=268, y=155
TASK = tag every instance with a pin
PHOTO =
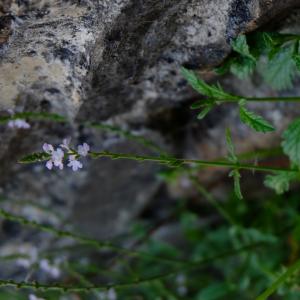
x=254, y=121
x=203, y=88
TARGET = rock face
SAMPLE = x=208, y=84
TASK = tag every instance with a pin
x=115, y=61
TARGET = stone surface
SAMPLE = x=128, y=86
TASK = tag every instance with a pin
x=117, y=61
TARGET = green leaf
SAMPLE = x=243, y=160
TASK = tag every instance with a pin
x=230, y=147
x=254, y=121
x=236, y=180
x=280, y=182
x=242, y=67
x=291, y=142
x=240, y=46
x=35, y=157
x=280, y=70
x=264, y=42
x=205, y=111
x=203, y=88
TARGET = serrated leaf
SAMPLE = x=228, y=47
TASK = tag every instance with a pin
x=280, y=70
x=230, y=147
x=203, y=88
x=35, y=157
x=254, y=121
x=235, y=174
x=280, y=182
x=240, y=45
x=291, y=142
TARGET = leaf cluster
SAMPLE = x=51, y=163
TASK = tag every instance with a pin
x=216, y=95
x=276, y=56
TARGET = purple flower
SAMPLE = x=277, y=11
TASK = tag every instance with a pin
x=74, y=163
x=83, y=149
x=48, y=148
x=66, y=144
x=57, y=157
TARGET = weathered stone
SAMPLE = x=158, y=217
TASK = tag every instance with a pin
x=117, y=61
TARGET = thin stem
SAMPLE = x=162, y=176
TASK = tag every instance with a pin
x=275, y=285
x=176, y=162
x=273, y=99
x=88, y=241
x=212, y=201
x=188, y=267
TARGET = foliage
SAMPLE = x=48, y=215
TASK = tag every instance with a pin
x=280, y=182
x=276, y=54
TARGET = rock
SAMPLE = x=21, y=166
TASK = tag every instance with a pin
x=115, y=61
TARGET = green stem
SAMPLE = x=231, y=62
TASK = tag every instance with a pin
x=88, y=241
x=275, y=285
x=212, y=201
x=63, y=288
x=175, y=162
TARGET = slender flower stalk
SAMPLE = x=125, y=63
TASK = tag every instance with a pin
x=175, y=162
x=65, y=288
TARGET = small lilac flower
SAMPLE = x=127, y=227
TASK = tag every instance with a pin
x=48, y=148
x=66, y=144
x=74, y=163
x=56, y=157
x=18, y=123
x=83, y=149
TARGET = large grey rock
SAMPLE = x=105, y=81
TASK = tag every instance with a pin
x=116, y=61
